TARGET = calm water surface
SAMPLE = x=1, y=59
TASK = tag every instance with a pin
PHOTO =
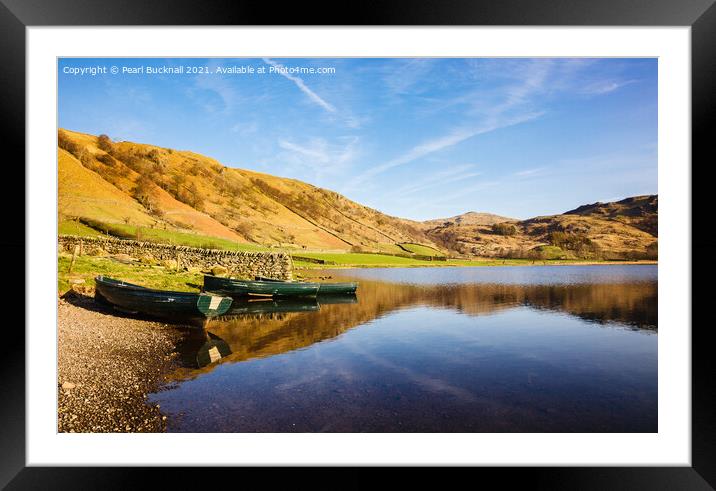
x=491, y=349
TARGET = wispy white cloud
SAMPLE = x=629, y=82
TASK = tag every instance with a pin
x=528, y=172
x=446, y=176
x=245, y=128
x=605, y=86
x=318, y=156
x=220, y=87
x=302, y=86
x=404, y=75
x=456, y=136
x=512, y=108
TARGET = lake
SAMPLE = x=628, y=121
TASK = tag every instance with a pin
x=485, y=349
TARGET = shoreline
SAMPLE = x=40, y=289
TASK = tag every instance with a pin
x=485, y=264
x=107, y=365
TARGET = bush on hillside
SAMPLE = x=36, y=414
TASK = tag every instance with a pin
x=146, y=193
x=64, y=142
x=104, y=143
x=577, y=242
x=504, y=229
x=107, y=159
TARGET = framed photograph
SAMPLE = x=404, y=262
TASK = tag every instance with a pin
x=422, y=236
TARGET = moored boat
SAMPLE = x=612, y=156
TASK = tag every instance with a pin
x=323, y=288
x=160, y=303
x=239, y=288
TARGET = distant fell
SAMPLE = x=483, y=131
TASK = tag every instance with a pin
x=470, y=218
x=622, y=230
x=641, y=212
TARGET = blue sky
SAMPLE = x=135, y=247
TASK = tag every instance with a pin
x=416, y=138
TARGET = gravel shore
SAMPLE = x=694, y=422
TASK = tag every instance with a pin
x=107, y=364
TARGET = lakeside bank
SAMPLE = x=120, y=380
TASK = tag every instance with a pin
x=109, y=362
x=107, y=365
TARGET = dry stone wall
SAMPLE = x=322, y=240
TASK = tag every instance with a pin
x=239, y=263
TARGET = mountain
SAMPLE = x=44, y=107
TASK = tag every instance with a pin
x=641, y=212
x=147, y=185
x=469, y=218
x=626, y=229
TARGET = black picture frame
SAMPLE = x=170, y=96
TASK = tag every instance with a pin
x=700, y=15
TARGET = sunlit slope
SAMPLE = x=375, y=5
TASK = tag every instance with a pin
x=641, y=212
x=186, y=190
x=469, y=218
x=83, y=192
x=567, y=236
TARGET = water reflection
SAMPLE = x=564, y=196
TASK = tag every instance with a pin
x=200, y=348
x=265, y=327
x=561, y=350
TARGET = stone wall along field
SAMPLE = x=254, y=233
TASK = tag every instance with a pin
x=245, y=264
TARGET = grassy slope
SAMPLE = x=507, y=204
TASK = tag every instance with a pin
x=72, y=227
x=174, y=237
x=84, y=193
x=257, y=207
x=251, y=210
x=87, y=267
x=422, y=250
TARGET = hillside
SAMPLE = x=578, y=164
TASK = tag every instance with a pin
x=641, y=212
x=167, y=191
x=469, y=218
x=184, y=191
x=621, y=230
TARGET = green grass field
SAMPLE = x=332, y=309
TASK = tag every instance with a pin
x=87, y=267
x=377, y=260
x=97, y=228
x=358, y=259
x=422, y=250
x=71, y=227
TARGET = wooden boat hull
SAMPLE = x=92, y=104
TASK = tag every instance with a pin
x=337, y=288
x=241, y=288
x=348, y=288
x=135, y=298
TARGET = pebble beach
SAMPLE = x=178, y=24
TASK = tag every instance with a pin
x=107, y=364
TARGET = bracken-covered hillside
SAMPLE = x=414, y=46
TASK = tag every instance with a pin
x=602, y=231
x=149, y=186
x=153, y=186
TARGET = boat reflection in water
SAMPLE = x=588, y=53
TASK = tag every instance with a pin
x=565, y=349
x=264, y=327
x=203, y=347
x=200, y=348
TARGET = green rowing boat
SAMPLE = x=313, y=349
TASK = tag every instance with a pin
x=323, y=288
x=239, y=288
x=161, y=303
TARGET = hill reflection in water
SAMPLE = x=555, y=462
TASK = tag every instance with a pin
x=561, y=350
x=264, y=327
